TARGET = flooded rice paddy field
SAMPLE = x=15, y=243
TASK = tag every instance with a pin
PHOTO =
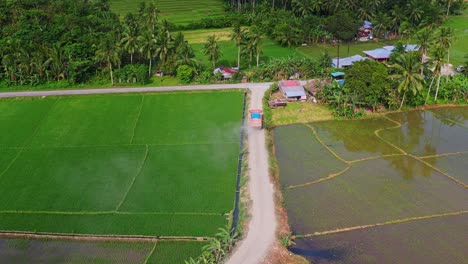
x=352, y=188
x=436, y=240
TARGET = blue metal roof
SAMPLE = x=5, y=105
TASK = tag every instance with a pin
x=337, y=74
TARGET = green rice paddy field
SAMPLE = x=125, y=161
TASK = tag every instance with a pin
x=179, y=12
x=135, y=164
x=353, y=189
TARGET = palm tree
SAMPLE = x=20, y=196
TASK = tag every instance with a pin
x=446, y=36
x=152, y=16
x=212, y=49
x=302, y=7
x=148, y=45
x=165, y=42
x=130, y=36
x=257, y=40
x=408, y=68
x=108, y=53
x=237, y=34
x=438, y=61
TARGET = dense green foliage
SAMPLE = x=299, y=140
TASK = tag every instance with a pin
x=368, y=81
x=134, y=152
x=81, y=40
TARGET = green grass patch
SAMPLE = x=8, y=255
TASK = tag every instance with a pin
x=300, y=112
x=270, y=50
x=458, y=49
x=356, y=48
x=175, y=252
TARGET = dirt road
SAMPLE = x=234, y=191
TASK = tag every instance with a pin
x=262, y=225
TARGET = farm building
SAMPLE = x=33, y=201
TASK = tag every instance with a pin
x=346, y=62
x=380, y=54
x=225, y=72
x=292, y=90
x=383, y=54
x=366, y=29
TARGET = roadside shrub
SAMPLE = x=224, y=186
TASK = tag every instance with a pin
x=267, y=114
x=185, y=73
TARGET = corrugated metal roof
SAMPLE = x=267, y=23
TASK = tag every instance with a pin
x=380, y=53
x=348, y=61
x=293, y=91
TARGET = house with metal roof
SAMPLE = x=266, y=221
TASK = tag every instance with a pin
x=292, y=90
x=383, y=54
x=346, y=62
x=380, y=54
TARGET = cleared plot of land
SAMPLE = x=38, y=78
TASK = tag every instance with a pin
x=423, y=134
x=371, y=192
x=153, y=164
x=178, y=12
x=175, y=252
x=355, y=139
x=301, y=158
x=438, y=240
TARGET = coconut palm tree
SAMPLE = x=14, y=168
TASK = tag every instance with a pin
x=408, y=68
x=148, y=44
x=237, y=34
x=212, y=49
x=257, y=40
x=438, y=62
x=445, y=39
x=108, y=52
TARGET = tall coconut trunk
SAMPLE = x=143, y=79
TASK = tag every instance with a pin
x=258, y=58
x=111, y=75
x=429, y=91
x=149, y=69
x=402, y=100
x=238, y=56
x=131, y=58
x=437, y=90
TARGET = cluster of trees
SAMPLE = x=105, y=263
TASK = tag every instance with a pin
x=409, y=77
x=77, y=40
x=291, y=22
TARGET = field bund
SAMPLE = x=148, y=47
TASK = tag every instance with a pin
x=385, y=190
x=129, y=164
